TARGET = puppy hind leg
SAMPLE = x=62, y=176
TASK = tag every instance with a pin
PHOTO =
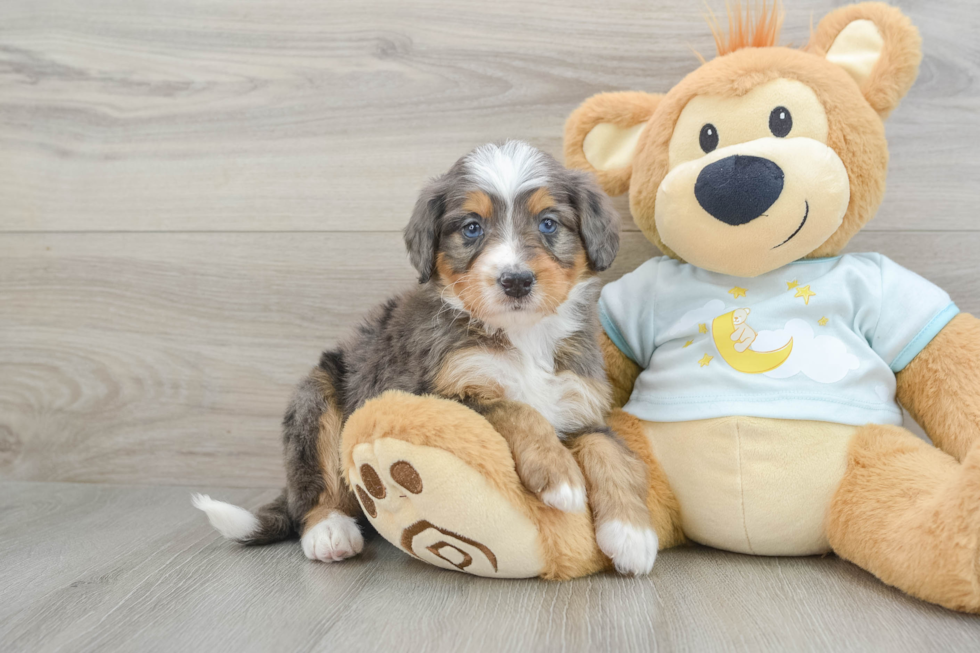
x=617, y=486
x=319, y=500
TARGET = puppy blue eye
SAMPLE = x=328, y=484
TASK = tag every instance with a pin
x=472, y=230
x=548, y=226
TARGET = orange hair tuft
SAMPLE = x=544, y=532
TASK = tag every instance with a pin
x=754, y=27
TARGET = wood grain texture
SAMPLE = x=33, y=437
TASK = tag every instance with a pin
x=169, y=358
x=108, y=568
x=308, y=115
x=150, y=335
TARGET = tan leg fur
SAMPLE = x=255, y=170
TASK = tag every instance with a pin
x=665, y=511
x=941, y=386
x=908, y=513
x=543, y=463
x=616, y=480
x=336, y=495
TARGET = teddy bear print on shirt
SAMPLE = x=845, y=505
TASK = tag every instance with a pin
x=744, y=335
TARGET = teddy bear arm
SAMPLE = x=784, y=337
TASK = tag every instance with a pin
x=620, y=370
x=941, y=386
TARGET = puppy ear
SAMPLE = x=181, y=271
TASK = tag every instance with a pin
x=602, y=134
x=598, y=220
x=422, y=232
x=877, y=45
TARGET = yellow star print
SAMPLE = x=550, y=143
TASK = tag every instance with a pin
x=704, y=361
x=805, y=293
x=702, y=328
x=792, y=284
x=737, y=292
x=823, y=321
x=688, y=344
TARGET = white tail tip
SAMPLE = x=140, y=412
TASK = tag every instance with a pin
x=231, y=521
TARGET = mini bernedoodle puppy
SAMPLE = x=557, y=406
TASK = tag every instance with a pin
x=507, y=245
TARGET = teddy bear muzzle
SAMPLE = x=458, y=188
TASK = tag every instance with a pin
x=753, y=207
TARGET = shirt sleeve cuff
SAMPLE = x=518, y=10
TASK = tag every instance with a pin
x=613, y=332
x=923, y=338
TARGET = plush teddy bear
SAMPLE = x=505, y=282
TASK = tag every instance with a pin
x=750, y=175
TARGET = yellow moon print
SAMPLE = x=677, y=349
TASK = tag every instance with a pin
x=748, y=361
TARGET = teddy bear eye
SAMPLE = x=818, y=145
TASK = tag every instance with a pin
x=708, y=138
x=780, y=122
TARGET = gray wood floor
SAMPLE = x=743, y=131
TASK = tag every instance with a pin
x=196, y=196
x=131, y=568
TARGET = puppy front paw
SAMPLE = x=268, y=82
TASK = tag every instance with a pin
x=334, y=539
x=565, y=497
x=555, y=477
x=632, y=549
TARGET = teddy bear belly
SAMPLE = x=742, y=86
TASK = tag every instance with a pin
x=753, y=485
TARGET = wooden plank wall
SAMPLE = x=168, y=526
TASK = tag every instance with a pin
x=197, y=196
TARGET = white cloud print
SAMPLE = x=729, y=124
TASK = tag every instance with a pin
x=824, y=359
x=688, y=323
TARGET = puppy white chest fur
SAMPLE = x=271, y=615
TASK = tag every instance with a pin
x=568, y=401
x=526, y=372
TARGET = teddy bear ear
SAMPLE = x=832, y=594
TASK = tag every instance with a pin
x=877, y=45
x=602, y=134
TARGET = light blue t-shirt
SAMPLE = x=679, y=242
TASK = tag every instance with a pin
x=818, y=339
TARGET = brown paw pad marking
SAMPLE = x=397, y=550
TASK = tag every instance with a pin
x=366, y=502
x=466, y=547
x=407, y=476
x=373, y=483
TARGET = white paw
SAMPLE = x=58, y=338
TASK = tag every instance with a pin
x=633, y=550
x=335, y=538
x=565, y=498
x=231, y=521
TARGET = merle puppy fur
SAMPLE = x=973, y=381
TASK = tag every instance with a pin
x=507, y=244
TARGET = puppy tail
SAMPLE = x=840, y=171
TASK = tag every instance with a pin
x=271, y=524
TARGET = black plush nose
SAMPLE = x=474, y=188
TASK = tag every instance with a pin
x=516, y=284
x=738, y=189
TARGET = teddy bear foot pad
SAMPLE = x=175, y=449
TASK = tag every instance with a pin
x=442, y=511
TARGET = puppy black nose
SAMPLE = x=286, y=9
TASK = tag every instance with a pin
x=738, y=189
x=516, y=284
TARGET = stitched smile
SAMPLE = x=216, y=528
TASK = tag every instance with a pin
x=805, y=214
